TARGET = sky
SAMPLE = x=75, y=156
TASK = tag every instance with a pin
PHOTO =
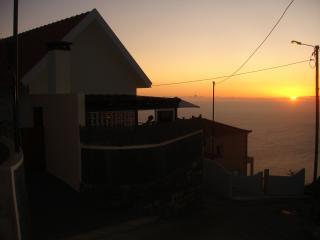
x=183, y=40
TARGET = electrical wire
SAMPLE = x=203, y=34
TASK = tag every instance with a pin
x=226, y=76
x=260, y=45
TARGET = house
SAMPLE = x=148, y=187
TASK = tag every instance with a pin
x=78, y=115
x=230, y=146
x=79, y=110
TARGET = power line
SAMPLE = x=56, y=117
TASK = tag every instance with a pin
x=246, y=61
x=260, y=45
x=237, y=74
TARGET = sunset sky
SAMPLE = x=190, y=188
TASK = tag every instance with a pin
x=181, y=40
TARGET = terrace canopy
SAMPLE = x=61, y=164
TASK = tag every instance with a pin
x=132, y=102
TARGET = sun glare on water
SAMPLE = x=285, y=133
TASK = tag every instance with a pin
x=293, y=98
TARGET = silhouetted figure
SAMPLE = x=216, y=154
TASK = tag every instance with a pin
x=150, y=120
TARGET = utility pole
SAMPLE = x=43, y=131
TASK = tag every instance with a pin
x=16, y=84
x=316, y=142
x=315, y=173
x=213, y=122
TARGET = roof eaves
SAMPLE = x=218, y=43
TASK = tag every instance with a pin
x=146, y=82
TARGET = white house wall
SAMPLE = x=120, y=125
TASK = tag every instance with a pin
x=62, y=137
x=59, y=71
x=39, y=82
x=97, y=65
x=54, y=74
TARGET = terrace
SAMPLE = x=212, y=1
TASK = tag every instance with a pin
x=140, y=154
x=139, y=135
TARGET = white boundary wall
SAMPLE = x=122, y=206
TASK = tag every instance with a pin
x=10, y=224
x=218, y=180
x=247, y=185
x=286, y=185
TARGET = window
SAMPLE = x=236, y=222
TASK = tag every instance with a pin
x=111, y=119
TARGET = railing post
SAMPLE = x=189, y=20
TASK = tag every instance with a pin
x=266, y=180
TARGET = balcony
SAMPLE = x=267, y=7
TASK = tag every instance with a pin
x=139, y=135
x=139, y=155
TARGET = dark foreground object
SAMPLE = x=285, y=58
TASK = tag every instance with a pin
x=227, y=220
x=57, y=211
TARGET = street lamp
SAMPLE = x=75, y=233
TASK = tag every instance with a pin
x=316, y=54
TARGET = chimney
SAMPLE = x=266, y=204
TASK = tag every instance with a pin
x=59, y=67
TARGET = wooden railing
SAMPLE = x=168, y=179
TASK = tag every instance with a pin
x=138, y=135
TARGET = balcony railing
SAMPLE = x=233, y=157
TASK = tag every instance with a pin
x=138, y=135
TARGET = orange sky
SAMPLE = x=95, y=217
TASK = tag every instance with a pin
x=176, y=40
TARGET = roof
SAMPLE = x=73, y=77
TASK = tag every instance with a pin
x=186, y=104
x=220, y=129
x=132, y=102
x=33, y=44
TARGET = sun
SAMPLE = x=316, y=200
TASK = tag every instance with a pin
x=293, y=98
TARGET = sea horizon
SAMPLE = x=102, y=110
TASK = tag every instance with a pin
x=282, y=137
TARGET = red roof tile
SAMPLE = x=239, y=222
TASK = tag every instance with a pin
x=33, y=44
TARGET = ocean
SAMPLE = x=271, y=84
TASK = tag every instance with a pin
x=282, y=137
